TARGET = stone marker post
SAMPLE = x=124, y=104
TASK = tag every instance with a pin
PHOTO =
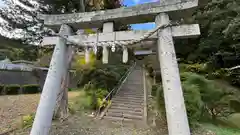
x=44, y=114
x=173, y=95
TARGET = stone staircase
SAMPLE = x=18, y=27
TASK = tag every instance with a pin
x=128, y=103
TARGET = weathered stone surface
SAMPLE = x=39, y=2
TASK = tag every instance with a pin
x=44, y=114
x=182, y=31
x=173, y=95
x=143, y=52
x=15, y=67
x=126, y=15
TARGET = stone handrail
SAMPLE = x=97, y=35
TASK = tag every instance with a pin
x=120, y=83
x=114, y=91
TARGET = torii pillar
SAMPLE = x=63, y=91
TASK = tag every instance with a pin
x=52, y=86
x=173, y=95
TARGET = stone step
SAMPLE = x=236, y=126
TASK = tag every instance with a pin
x=131, y=92
x=122, y=119
x=133, y=82
x=140, y=89
x=128, y=98
x=128, y=105
x=125, y=112
x=122, y=115
x=122, y=99
x=124, y=108
x=121, y=93
x=117, y=119
x=127, y=102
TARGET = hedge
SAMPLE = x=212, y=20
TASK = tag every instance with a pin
x=31, y=89
x=12, y=89
x=1, y=89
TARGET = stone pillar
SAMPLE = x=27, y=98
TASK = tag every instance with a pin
x=125, y=54
x=44, y=114
x=173, y=95
x=107, y=27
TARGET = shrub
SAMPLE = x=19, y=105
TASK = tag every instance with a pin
x=28, y=120
x=105, y=78
x=196, y=68
x=95, y=94
x=1, y=89
x=218, y=74
x=193, y=102
x=31, y=89
x=154, y=90
x=160, y=99
x=216, y=100
x=202, y=98
x=83, y=101
x=12, y=89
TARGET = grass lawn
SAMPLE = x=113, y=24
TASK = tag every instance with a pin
x=13, y=107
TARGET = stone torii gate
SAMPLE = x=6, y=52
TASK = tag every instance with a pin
x=158, y=12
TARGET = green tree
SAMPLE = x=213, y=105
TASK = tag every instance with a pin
x=220, y=34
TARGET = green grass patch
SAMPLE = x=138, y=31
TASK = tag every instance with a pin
x=81, y=102
x=222, y=130
x=234, y=120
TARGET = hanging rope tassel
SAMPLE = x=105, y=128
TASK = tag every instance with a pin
x=87, y=55
x=105, y=55
x=113, y=48
x=125, y=54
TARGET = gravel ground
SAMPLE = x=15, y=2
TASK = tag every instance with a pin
x=81, y=124
x=13, y=107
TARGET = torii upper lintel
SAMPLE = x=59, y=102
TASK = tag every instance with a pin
x=126, y=15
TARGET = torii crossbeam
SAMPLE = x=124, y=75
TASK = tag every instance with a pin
x=160, y=13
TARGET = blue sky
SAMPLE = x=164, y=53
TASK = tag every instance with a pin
x=140, y=26
x=132, y=3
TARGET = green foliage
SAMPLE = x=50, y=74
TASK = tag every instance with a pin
x=218, y=130
x=12, y=89
x=96, y=94
x=196, y=68
x=193, y=101
x=203, y=99
x=31, y=89
x=1, y=89
x=233, y=120
x=104, y=77
x=90, y=98
x=234, y=104
x=154, y=90
x=215, y=99
x=27, y=120
x=218, y=45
